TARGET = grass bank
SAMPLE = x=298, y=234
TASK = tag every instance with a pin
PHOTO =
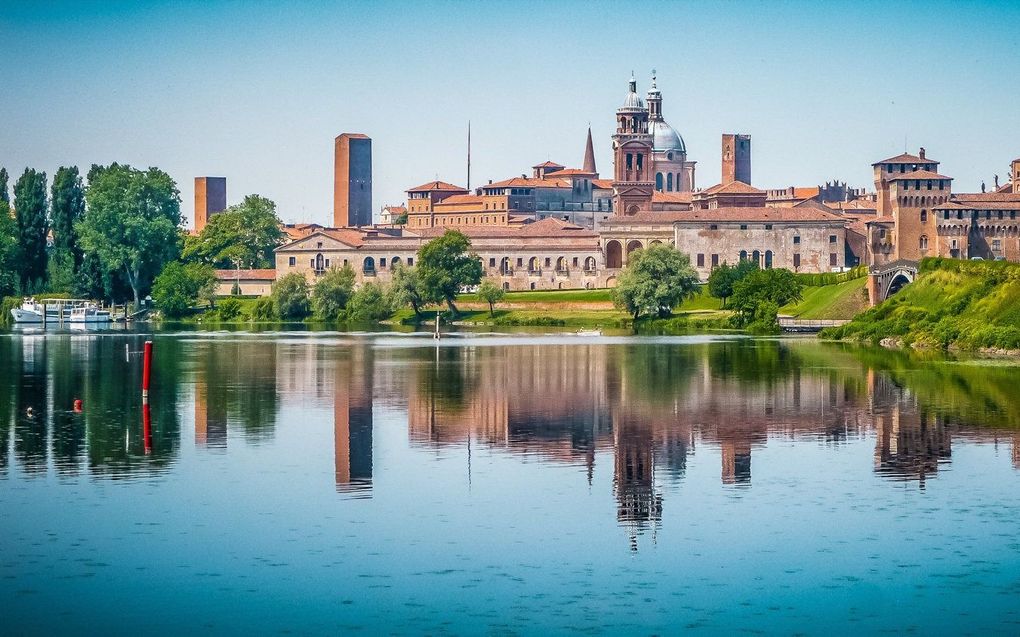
x=969, y=305
x=839, y=301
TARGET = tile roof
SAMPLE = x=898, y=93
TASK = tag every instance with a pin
x=571, y=172
x=401, y=209
x=529, y=182
x=441, y=186
x=919, y=174
x=268, y=274
x=1004, y=204
x=460, y=199
x=806, y=192
x=767, y=214
x=672, y=197
x=605, y=184
x=986, y=196
x=546, y=228
x=732, y=188
x=548, y=164
x=906, y=158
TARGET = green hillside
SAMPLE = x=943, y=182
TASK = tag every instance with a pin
x=964, y=304
x=838, y=301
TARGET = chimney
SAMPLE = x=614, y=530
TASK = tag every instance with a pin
x=920, y=153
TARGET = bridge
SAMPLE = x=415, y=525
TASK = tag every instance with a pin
x=889, y=278
x=790, y=324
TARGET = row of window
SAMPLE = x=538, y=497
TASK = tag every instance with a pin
x=976, y=214
x=535, y=264
x=765, y=259
x=929, y=184
x=902, y=168
x=321, y=264
x=667, y=185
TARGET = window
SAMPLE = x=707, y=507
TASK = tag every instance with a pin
x=701, y=260
x=382, y=263
x=924, y=216
x=492, y=262
x=796, y=260
x=410, y=261
x=575, y=262
x=327, y=264
x=832, y=258
x=768, y=226
x=520, y=262
x=318, y=245
x=713, y=227
x=743, y=255
x=743, y=226
x=923, y=242
x=715, y=260
x=548, y=262
x=832, y=238
x=796, y=240
x=292, y=261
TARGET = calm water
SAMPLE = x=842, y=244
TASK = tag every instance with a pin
x=307, y=483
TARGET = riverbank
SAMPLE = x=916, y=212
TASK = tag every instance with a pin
x=965, y=305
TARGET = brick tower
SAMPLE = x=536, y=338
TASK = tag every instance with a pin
x=736, y=158
x=210, y=198
x=352, y=180
x=632, y=156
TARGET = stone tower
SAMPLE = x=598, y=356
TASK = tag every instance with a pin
x=352, y=180
x=1014, y=173
x=632, y=156
x=736, y=158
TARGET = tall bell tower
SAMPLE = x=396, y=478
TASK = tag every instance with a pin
x=633, y=181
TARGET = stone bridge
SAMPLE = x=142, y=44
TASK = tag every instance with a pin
x=889, y=278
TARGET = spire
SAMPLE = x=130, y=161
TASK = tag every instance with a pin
x=589, y=156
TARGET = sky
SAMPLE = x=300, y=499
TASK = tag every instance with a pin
x=257, y=91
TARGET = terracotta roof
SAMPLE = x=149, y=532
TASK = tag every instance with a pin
x=268, y=274
x=441, y=186
x=856, y=204
x=813, y=203
x=460, y=199
x=986, y=196
x=919, y=174
x=571, y=172
x=529, y=182
x=1006, y=187
x=806, y=192
x=672, y=197
x=605, y=184
x=732, y=188
x=766, y=214
x=651, y=218
x=906, y=158
x=1004, y=204
x=548, y=164
x=546, y=228
x=401, y=209
x=298, y=230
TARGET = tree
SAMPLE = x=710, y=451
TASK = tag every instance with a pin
x=60, y=271
x=369, y=303
x=762, y=292
x=179, y=286
x=332, y=292
x=242, y=236
x=30, y=213
x=131, y=222
x=492, y=293
x=290, y=296
x=406, y=288
x=445, y=266
x=4, y=178
x=656, y=280
x=722, y=278
x=8, y=246
x=67, y=206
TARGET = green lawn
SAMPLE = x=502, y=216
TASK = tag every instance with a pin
x=839, y=301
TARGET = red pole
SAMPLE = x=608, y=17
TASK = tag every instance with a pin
x=146, y=371
x=146, y=427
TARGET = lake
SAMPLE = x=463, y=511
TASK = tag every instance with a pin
x=504, y=484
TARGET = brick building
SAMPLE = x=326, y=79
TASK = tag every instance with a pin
x=352, y=180
x=210, y=198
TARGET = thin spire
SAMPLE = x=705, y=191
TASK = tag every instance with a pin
x=589, y=155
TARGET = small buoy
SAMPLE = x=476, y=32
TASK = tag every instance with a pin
x=30, y=412
x=77, y=405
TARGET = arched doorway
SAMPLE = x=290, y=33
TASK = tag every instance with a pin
x=369, y=265
x=633, y=245
x=614, y=255
x=395, y=263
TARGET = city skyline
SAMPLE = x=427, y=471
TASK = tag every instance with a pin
x=258, y=97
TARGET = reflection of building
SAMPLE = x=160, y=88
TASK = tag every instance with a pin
x=909, y=443
x=638, y=503
x=210, y=417
x=736, y=462
x=352, y=420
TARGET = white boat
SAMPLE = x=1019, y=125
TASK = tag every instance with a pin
x=32, y=312
x=90, y=314
x=584, y=332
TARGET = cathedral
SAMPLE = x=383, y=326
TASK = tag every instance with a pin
x=648, y=154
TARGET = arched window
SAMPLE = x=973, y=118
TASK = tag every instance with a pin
x=924, y=215
x=504, y=266
x=756, y=257
x=561, y=264
x=768, y=259
x=743, y=255
x=614, y=254
x=669, y=182
x=658, y=181
x=319, y=263
x=589, y=264
x=369, y=265
x=633, y=245
x=533, y=265
x=923, y=242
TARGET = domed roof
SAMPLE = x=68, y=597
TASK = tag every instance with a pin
x=633, y=100
x=665, y=138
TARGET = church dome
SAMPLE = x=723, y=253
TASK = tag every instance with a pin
x=664, y=138
x=633, y=100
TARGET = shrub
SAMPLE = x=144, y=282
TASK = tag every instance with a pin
x=263, y=310
x=332, y=292
x=229, y=309
x=290, y=296
x=369, y=303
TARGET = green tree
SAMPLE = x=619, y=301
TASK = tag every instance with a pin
x=67, y=206
x=60, y=271
x=180, y=286
x=332, y=292
x=290, y=296
x=33, y=226
x=445, y=266
x=656, y=280
x=369, y=303
x=132, y=222
x=242, y=236
x=492, y=293
x=406, y=288
x=8, y=248
x=763, y=292
x=4, y=178
x=722, y=278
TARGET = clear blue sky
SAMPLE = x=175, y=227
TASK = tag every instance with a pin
x=256, y=91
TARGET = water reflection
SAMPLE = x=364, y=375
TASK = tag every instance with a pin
x=639, y=410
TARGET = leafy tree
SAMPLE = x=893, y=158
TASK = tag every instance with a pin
x=445, y=266
x=400, y=220
x=4, y=178
x=67, y=206
x=290, y=296
x=30, y=213
x=332, y=292
x=406, y=288
x=492, y=293
x=722, y=278
x=656, y=280
x=8, y=247
x=179, y=286
x=369, y=303
x=229, y=309
x=263, y=310
x=762, y=292
x=60, y=271
x=132, y=222
x=243, y=236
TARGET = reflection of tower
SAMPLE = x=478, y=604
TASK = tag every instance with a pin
x=352, y=420
x=210, y=416
x=736, y=461
x=637, y=502
x=909, y=443
x=1016, y=451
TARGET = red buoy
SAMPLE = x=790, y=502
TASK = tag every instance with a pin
x=77, y=405
x=146, y=371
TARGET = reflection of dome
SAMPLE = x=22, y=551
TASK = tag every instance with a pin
x=665, y=138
